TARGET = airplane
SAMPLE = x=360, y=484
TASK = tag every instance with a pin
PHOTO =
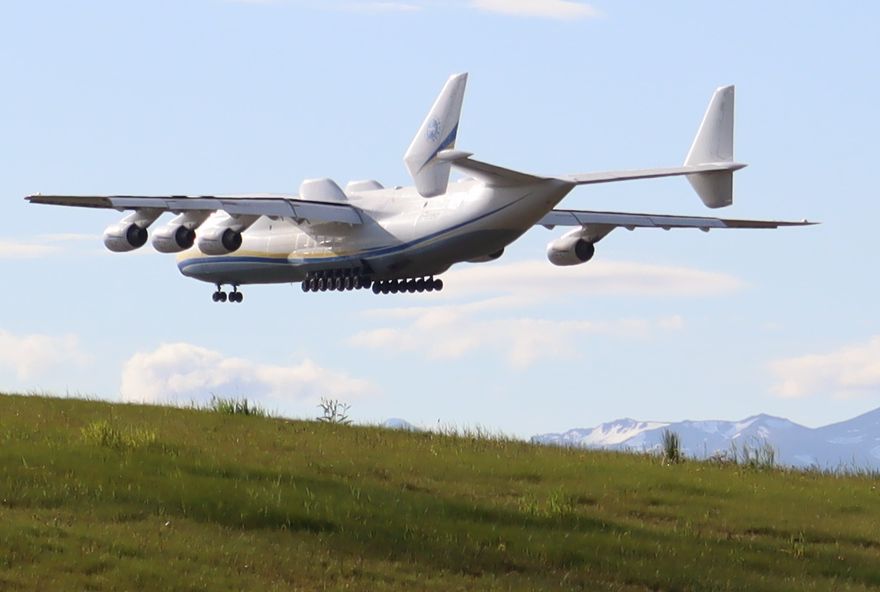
x=399, y=239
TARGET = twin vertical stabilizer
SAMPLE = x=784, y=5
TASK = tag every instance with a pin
x=714, y=145
x=438, y=133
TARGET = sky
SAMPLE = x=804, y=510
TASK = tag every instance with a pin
x=225, y=96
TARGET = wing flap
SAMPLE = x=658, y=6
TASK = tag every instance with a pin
x=281, y=206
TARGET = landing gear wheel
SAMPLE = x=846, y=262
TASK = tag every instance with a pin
x=305, y=285
x=339, y=284
x=221, y=296
x=438, y=284
x=215, y=296
x=377, y=288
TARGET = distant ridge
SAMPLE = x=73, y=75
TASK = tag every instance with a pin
x=395, y=423
x=854, y=443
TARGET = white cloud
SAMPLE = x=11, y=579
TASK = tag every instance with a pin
x=558, y=9
x=540, y=279
x=43, y=245
x=513, y=300
x=32, y=356
x=182, y=372
x=17, y=249
x=454, y=331
x=848, y=372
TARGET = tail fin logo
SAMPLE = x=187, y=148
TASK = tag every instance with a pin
x=434, y=130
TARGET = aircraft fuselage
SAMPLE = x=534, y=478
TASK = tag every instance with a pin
x=404, y=235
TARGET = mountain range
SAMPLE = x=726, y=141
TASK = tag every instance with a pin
x=848, y=445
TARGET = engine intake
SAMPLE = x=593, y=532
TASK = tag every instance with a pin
x=130, y=233
x=179, y=234
x=570, y=249
x=220, y=241
x=173, y=239
x=122, y=237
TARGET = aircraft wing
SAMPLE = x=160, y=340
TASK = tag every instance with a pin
x=611, y=220
x=273, y=205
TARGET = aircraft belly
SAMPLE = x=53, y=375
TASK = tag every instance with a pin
x=242, y=270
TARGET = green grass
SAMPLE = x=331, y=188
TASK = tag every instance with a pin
x=95, y=496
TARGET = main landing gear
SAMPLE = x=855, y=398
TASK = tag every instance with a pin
x=336, y=281
x=221, y=296
x=410, y=285
x=346, y=280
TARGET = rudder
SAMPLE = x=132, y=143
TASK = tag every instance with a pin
x=438, y=132
x=713, y=144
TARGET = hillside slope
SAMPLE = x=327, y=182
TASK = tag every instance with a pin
x=102, y=497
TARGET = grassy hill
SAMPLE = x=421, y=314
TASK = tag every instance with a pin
x=95, y=496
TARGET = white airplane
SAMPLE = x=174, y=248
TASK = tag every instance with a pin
x=399, y=239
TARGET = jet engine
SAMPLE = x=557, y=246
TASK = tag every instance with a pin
x=220, y=241
x=130, y=233
x=571, y=249
x=179, y=234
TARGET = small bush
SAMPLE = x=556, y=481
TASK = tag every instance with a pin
x=232, y=406
x=103, y=433
x=334, y=411
x=671, y=448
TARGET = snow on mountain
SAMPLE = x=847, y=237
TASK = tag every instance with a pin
x=852, y=444
x=607, y=434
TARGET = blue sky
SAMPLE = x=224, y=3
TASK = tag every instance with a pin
x=202, y=96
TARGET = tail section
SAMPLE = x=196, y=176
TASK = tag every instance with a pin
x=713, y=145
x=438, y=133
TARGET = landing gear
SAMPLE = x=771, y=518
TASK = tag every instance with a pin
x=408, y=286
x=346, y=280
x=341, y=280
x=221, y=296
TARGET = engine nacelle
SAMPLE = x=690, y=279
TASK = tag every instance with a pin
x=220, y=241
x=130, y=233
x=570, y=249
x=487, y=258
x=179, y=234
x=173, y=238
x=122, y=237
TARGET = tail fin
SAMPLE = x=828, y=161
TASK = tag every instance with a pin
x=438, y=132
x=714, y=145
